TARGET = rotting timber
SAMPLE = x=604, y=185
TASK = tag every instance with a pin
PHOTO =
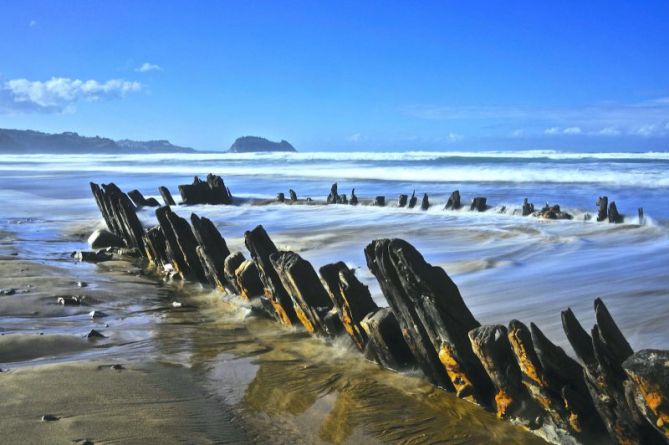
x=610, y=394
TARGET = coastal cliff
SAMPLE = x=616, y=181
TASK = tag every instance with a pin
x=250, y=144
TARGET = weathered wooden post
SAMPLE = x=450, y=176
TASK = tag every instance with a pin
x=167, y=196
x=479, y=204
x=261, y=247
x=453, y=201
x=350, y=297
x=310, y=300
x=602, y=204
x=603, y=355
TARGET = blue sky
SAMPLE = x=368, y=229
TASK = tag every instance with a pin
x=342, y=75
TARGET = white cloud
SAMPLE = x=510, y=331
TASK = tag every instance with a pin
x=146, y=67
x=454, y=137
x=355, y=137
x=519, y=133
x=32, y=23
x=647, y=130
x=609, y=131
x=59, y=94
x=645, y=118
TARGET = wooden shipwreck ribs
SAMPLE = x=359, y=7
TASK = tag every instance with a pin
x=516, y=371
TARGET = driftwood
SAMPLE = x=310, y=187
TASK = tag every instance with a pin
x=603, y=355
x=425, y=204
x=247, y=280
x=350, y=298
x=212, y=249
x=261, y=247
x=141, y=201
x=402, y=200
x=453, y=201
x=614, y=216
x=167, y=196
x=211, y=191
x=310, y=300
x=602, y=205
x=479, y=204
x=386, y=344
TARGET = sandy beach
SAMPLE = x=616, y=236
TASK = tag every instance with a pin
x=205, y=372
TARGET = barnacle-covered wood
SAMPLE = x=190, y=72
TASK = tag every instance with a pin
x=491, y=345
x=156, y=247
x=351, y=299
x=648, y=372
x=261, y=247
x=310, y=300
x=547, y=384
x=247, y=280
x=603, y=353
x=232, y=262
x=436, y=305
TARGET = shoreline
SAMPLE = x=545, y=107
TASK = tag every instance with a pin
x=294, y=295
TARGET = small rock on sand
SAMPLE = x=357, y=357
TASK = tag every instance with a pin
x=49, y=418
x=104, y=238
x=91, y=257
x=97, y=314
x=11, y=291
x=95, y=334
x=70, y=301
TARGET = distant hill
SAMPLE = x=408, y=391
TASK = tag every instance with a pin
x=250, y=144
x=30, y=141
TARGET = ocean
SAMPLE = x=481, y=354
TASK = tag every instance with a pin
x=506, y=266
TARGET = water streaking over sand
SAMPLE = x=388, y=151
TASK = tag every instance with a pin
x=281, y=382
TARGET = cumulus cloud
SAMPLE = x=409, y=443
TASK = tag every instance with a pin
x=454, y=137
x=355, y=137
x=32, y=23
x=552, y=130
x=59, y=94
x=146, y=67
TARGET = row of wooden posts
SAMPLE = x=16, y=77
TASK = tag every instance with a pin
x=514, y=370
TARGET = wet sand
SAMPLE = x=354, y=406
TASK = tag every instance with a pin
x=206, y=372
